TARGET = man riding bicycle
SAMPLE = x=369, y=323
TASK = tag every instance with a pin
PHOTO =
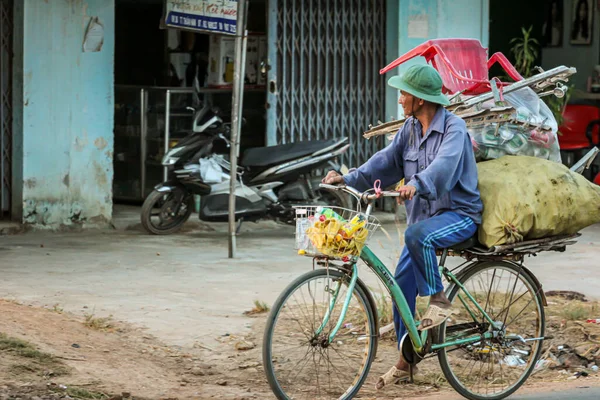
x=433, y=153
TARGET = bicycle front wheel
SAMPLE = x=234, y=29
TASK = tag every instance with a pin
x=298, y=360
x=493, y=369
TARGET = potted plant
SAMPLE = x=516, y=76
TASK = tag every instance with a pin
x=526, y=50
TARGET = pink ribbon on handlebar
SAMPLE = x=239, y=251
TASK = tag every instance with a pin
x=377, y=188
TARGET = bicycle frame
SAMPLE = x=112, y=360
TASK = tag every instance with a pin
x=419, y=338
x=384, y=275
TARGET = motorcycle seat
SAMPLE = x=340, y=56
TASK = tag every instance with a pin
x=273, y=155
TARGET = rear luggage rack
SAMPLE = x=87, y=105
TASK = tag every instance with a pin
x=516, y=251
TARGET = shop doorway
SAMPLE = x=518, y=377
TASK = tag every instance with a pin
x=6, y=120
x=149, y=62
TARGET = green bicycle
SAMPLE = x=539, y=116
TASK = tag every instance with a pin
x=322, y=333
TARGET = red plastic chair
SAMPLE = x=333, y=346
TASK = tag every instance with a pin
x=462, y=64
x=580, y=127
x=580, y=131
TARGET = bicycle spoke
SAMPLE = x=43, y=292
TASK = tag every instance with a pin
x=305, y=360
x=342, y=357
x=520, y=312
x=487, y=301
x=299, y=325
x=336, y=370
x=494, y=366
x=317, y=374
x=306, y=364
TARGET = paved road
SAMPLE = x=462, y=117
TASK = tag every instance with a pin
x=553, y=391
x=559, y=392
x=180, y=286
x=573, y=394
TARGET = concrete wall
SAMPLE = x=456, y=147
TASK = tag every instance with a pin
x=67, y=114
x=584, y=58
x=443, y=18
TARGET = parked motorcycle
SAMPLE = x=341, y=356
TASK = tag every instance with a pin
x=271, y=180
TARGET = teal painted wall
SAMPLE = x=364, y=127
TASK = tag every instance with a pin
x=445, y=19
x=67, y=114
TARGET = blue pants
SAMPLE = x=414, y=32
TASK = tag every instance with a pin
x=417, y=272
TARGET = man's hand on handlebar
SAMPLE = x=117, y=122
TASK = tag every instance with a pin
x=333, y=178
x=407, y=192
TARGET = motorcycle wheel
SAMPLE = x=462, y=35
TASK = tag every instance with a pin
x=161, y=205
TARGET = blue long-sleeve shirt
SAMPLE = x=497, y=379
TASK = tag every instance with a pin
x=440, y=165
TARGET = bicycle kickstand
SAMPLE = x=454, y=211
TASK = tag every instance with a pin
x=410, y=374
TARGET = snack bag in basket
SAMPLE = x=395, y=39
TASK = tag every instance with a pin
x=331, y=235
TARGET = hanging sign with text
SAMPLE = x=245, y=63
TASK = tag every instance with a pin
x=213, y=16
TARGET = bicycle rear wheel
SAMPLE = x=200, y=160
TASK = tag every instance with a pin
x=493, y=369
x=298, y=362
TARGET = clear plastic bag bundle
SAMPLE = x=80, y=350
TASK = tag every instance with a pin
x=532, y=130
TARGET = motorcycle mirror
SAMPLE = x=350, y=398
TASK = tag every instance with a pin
x=227, y=142
x=263, y=68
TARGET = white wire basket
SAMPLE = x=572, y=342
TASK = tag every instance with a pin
x=333, y=232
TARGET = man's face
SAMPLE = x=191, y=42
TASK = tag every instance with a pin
x=410, y=104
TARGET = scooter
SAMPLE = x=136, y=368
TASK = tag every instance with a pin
x=271, y=180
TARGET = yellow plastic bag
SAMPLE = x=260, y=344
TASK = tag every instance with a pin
x=331, y=238
x=531, y=198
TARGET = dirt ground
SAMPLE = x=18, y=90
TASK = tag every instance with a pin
x=110, y=358
x=52, y=354
x=175, y=323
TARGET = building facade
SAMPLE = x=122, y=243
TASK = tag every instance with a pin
x=58, y=100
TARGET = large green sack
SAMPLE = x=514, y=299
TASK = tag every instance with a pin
x=531, y=198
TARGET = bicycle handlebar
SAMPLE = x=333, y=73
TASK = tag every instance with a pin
x=364, y=196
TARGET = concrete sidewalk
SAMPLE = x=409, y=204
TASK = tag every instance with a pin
x=184, y=289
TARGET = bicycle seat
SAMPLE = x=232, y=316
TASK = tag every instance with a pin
x=467, y=244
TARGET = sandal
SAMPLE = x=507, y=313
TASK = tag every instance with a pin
x=393, y=377
x=436, y=315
